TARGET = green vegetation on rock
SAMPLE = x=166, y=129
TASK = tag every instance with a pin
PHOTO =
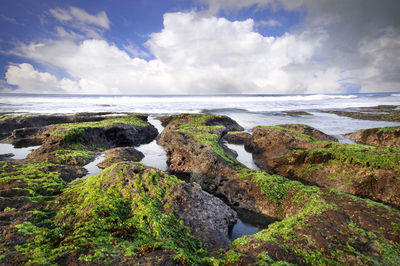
x=120, y=211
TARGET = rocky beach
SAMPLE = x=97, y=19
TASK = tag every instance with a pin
x=316, y=200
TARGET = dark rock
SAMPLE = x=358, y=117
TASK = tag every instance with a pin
x=237, y=137
x=7, y=125
x=6, y=156
x=227, y=122
x=208, y=216
x=119, y=135
x=377, y=113
x=67, y=172
x=121, y=154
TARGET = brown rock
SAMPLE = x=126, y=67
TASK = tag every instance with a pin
x=381, y=137
x=120, y=154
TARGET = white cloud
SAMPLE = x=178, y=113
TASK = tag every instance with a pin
x=269, y=23
x=91, y=26
x=75, y=13
x=192, y=54
x=29, y=80
x=358, y=40
x=135, y=51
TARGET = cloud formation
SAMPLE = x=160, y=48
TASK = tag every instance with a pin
x=91, y=26
x=193, y=54
x=330, y=50
x=362, y=35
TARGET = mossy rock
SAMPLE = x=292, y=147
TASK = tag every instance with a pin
x=357, y=169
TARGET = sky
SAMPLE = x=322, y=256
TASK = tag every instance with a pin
x=199, y=46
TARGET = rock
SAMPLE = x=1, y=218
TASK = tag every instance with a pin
x=235, y=137
x=309, y=131
x=227, y=122
x=308, y=232
x=6, y=156
x=10, y=123
x=293, y=113
x=67, y=172
x=60, y=142
x=381, y=137
x=209, y=217
x=120, y=154
x=147, y=203
x=350, y=168
x=377, y=113
x=205, y=161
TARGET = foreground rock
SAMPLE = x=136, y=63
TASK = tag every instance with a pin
x=360, y=170
x=318, y=226
x=128, y=213
x=381, y=137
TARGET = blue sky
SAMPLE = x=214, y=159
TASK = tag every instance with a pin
x=199, y=46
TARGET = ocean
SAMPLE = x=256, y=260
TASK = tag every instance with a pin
x=247, y=110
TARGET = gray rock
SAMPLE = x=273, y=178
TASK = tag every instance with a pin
x=208, y=216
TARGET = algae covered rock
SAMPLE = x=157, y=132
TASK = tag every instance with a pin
x=126, y=213
x=382, y=137
x=315, y=226
x=75, y=143
x=360, y=170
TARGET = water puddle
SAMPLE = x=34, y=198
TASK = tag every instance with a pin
x=154, y=154
x=343, y=139
x=19, y=153
x=244, y=157
x=248, y=223
x=92, y=166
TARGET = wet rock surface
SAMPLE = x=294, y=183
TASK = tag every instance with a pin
x=120, y=154
x=382, y=137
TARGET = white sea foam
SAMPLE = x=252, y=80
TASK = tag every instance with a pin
x=173, y=104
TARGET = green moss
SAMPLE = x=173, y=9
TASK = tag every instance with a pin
x=388, y=129
x=73, y=132
x=106, y=217
x=6, y=117
x=363, y=155
x=40, y=184
x=233, y=256
x=68, y=156
x=131, y=119
x=295, y=132
x=195, y=126
x=8, y=209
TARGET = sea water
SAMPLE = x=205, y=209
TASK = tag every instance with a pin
x=247, y=110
